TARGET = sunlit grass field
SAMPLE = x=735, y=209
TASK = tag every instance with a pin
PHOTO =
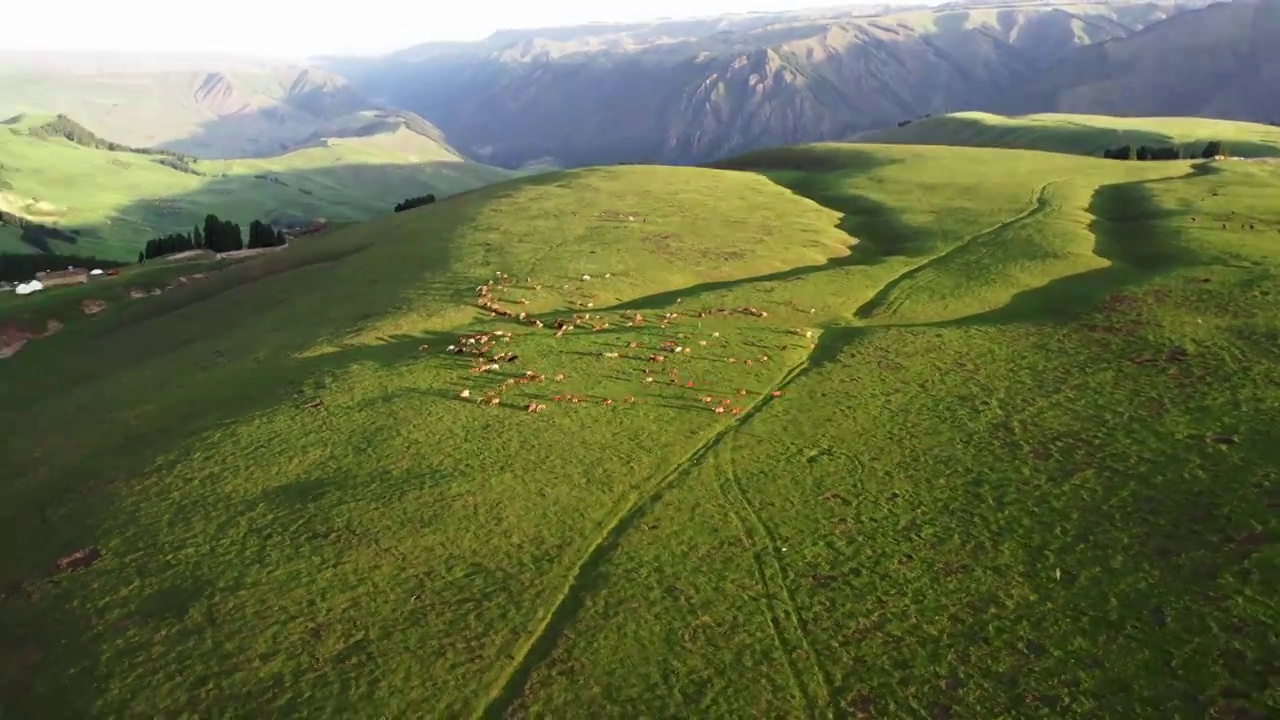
x=998, y=440
x=1085, y=134
x=120, y=200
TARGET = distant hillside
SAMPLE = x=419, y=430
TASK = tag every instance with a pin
x=61, y=126
x=1081, y=134
x=208, y=113
x=90, y=196
x=1222, y=61
x=369, y=123
x=687, y=91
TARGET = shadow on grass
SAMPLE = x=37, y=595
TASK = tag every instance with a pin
x=821, y=174
x=67, y=453
x=1128, y=235
x=1140, y=565
x=809, y=159
x=84, y=494
x=876, y=229
x=344, y=192
x=1126, y=227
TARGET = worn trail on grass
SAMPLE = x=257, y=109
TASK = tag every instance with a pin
x=784, y=616
x=536, y=648
x=882, y=298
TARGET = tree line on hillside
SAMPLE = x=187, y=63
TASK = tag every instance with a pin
x=175, y=163
x=908, y=121
x=1212, y=149
x=64, y=127
x=414, y=202
x=22, y=267
x=217, y=236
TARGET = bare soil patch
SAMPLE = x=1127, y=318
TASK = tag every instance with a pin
x=77, y=560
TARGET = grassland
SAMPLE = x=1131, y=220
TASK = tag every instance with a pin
x=1082, y=134
x=120, y=200
x=1022, y=460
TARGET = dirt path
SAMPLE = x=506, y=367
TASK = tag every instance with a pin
x=881, y=301
x=564, y=608
x=812, y=681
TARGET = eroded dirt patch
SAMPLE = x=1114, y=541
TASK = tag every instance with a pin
x=77, y=560
x=92, y=307
x=12, y=339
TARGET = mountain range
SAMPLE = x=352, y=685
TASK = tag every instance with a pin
x=215, y=113
x=691, y=91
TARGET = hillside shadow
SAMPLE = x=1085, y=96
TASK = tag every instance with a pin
x=810, y=159
x=87, y=494
x=268, y=130
x=1128, y=235
x=338, y=193
x=821, y=174
x=1126, y=227
x=877, y=230
x=51, y=507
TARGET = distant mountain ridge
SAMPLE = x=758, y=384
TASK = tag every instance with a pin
x=1220, y=61
x=687, y=91
x=208, y=113
x=694, y=90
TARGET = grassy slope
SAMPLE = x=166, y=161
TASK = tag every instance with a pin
x=1082, y=134
x=967, y=500
x=125, y=199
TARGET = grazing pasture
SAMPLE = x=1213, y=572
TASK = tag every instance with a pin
x=116, y=201
x=1083, y=134
x=831, y=431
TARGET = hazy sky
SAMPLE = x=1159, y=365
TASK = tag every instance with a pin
x=294, y=28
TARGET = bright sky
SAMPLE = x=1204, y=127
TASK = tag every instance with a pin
x=296, y=28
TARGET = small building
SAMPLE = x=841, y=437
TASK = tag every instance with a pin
x=310, y=229
x=70, y=276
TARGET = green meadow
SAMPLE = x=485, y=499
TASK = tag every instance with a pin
x=998, y=440
x=119, y=200
x=1084, y=134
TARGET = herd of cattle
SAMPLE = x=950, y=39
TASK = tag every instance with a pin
x=490, y=351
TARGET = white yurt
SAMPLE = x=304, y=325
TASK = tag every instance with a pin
x=28, y=288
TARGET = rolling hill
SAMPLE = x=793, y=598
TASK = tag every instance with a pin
x=690, y=91
x=1082, y=134
x=108, y=203
x=950, y=432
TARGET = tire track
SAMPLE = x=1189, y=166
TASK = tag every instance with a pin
x=816, y=692
x=533, y=650
x=882, y=300
x=507, y=689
